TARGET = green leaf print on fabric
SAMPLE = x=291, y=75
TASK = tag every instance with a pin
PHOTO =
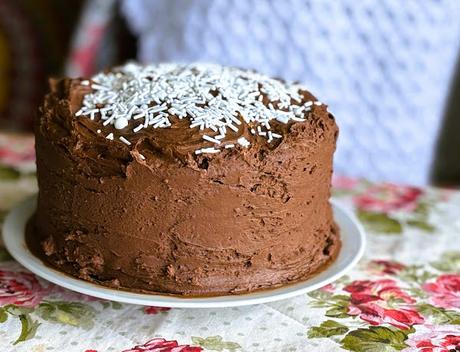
x=422, y=209
x=105, y=304
x=28, y=325
x=215, y=343
x=3, y=315
x=17, y=310
x=69, y=313
x=111, y=304
x=421, y=224
x=4, y=255
x=415, y=274
x=439, y=316
x=416, y=292
x=380, y=222
x=376, y=339
x=28, y=328
x=337, y=305
x=449, y=262
x=8, y=173
x=419, y=218
x=116, y=305
x=319, y=295
x=327, y=328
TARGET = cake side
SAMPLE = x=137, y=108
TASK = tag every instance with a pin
x=157, y=216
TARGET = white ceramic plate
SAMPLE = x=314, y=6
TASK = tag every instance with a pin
x=353, y=241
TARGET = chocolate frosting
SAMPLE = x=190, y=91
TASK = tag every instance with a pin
x=155, y=217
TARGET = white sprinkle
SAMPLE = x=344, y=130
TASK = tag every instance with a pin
x=99, y=87
x=210, y=150
x=138, y=128
x=276, y=135
x=211, y=139
x=298, y=119
x=109, y=120
x=195, y=124
x=228, y=146
x=99, y=131
x=141, y=156
x=90, y=112
x=124, y=140
x=318, y=103
x=270, y=138
x=121, y=123
x=207, y=150
x=308, y=103
x=158, y=108
x=130, y=112
x=283, y=119
x=235, y=120
x=138, y=116
x=79, y=112
x=110, y=136
x=243, y=142
x=232, y=127
x=158, y=124
x=84, y=83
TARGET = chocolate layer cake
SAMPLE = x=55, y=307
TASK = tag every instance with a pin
x=184, y=179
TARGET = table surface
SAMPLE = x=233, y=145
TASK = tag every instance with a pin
x=403, y=295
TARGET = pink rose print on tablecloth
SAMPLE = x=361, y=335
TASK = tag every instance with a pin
x=374, y=314
x=11, y=157
x=445, y=291
x=155, y=310
x=68, y=295
x=15, y=150
x=84, y=56
x=364, y=291
x=344, y=182
x=388, y=267
x=434, y=339
x=384, y=198
x=20, y=288
x=329, y=288
x=162, y=345
x=369, y=300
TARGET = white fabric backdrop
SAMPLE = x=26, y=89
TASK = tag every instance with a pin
x=383, y=66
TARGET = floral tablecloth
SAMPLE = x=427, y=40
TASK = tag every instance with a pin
x=403, y=296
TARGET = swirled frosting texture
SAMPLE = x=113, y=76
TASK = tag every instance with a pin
x=155, y=216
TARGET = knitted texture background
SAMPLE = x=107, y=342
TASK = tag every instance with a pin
x=384, y=67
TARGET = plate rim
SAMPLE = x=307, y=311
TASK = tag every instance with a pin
x=18, y=216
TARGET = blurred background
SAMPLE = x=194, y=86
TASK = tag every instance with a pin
x=388, y=69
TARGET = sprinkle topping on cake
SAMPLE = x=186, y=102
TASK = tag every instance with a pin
x=215, y=99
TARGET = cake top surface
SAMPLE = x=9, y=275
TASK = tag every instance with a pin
x=217, y=101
